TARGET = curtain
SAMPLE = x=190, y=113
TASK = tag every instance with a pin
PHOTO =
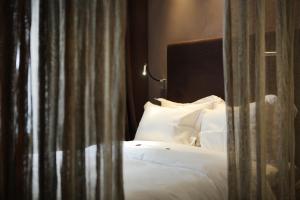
x=62, y=89
x=259, y=52
x=136, y=57
x=131, y=120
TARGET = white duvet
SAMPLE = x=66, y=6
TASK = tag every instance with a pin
x=157, y=170
x=161, y=171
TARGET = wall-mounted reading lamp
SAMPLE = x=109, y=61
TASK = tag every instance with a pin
x=163, y=82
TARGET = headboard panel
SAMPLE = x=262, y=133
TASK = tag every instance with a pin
x=195, y=70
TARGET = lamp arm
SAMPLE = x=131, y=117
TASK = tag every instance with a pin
x=151, y=76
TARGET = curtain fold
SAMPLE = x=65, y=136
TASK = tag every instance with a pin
x=261, y=133
x=131, y=120
x=136, y=57
x=73, y=70
x=15, y=109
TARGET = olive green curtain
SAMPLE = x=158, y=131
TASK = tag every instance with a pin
x=261, y=135
x=62, y=79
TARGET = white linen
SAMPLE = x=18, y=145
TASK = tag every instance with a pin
x=163, y=171
x=213, y=132
x=214, y=119
x=158, y=170
x=214, y=140
x=212, y=100
x=211, y=121
x=176, y=125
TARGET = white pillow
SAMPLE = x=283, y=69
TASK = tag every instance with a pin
x=211, y=98
x=206, y=100
x=213, y=132
x=194, y=107
x=214, y=119
x=174, y=125
x=214, y=140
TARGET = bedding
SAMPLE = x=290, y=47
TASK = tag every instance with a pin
x=163, y=171
x=179, y=125
x=213, y=132
x=159, y=170
x=174, y=122
x=211, y=124
x=209, y=100
x=161, y=164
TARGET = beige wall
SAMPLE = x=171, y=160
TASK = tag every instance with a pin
x=173, y=21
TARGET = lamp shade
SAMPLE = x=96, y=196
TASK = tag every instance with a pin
x=145, y=70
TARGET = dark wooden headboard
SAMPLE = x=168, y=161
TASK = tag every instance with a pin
x=195, y=70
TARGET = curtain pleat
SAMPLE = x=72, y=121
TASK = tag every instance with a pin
x=76, y=78
x=242, y=96
x=260, y=92
x=108, y=51
x=285, y=46
x=70, y=141
x=229, y=94
x=297, y=87
x=15, y=108
x=260, y=133
x=48, y=98
x=131, y=121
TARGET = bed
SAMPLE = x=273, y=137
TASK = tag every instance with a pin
x=173, y=167
x=156, y=167
x=164, y=168
x=160, y=170
x=179, y=151
x=169, y=168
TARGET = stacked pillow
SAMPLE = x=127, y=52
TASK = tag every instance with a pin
x=202, y=123
x=168, y=124
x=174, y=122
x=206, y=100
x=213, y=132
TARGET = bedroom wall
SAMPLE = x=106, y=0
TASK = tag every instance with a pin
x=173, y=21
